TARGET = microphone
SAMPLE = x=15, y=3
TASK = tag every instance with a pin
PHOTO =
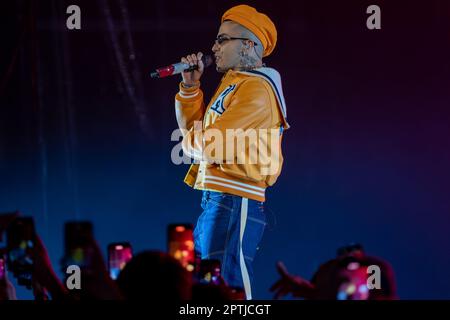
x=177, y=68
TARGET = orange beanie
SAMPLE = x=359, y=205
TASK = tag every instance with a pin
x=256, y=22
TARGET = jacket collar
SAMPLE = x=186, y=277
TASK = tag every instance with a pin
x=273, y=78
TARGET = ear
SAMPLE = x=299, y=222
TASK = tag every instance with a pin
x=246, y=47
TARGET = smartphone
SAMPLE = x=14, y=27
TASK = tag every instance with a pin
x=78, y=236
x=20, y=240
x=180, y=243
x=119, y=254
x=209, y=271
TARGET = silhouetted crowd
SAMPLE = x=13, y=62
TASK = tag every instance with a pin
x=156, y=275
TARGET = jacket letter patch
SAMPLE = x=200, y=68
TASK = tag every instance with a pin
x=217, y=106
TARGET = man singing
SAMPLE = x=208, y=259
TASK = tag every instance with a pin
x=235, y=141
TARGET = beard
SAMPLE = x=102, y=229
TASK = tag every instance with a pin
x=221, y=70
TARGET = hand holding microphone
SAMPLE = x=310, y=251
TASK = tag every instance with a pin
x=191, y=67
x=191, y=78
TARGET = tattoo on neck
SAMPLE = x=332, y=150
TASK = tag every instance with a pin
x=248, y=63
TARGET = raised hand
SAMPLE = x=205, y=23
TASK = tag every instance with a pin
x=289, y=283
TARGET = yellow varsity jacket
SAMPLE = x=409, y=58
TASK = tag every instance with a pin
x=245, y=102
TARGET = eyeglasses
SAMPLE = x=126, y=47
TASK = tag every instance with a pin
x=221, y=39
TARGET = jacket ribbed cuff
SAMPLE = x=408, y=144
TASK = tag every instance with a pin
x=189, y=92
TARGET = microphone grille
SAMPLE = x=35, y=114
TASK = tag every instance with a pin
x=207, y=60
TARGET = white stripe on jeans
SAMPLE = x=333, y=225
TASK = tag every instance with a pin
x=244, y=271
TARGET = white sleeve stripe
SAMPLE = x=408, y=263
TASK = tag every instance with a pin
x=188, y=95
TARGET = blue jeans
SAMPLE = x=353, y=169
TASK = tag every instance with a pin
x=230, y=230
